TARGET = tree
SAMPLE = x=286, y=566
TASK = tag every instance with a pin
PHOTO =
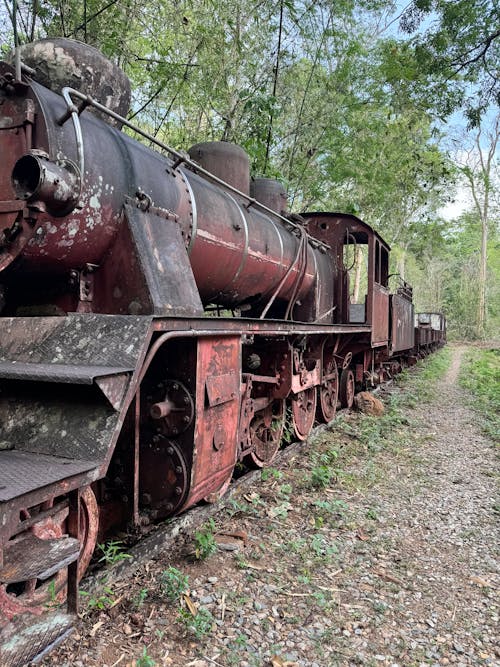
x=480, y=170
x=455, y=46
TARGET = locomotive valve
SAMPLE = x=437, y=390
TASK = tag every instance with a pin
x=45, y=184
x=162, y=409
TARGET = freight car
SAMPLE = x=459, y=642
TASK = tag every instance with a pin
x=160, y=316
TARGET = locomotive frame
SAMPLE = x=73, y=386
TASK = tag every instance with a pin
x=131, y=401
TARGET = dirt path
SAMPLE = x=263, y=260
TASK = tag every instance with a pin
x=395, y=563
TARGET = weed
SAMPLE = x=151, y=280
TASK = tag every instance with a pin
x=241, y=562
x=173, y=583
x=205, y=541
x=281, y=510
x=270, y=473
x=100, y=602
x=321, y=599
x=145, y=660
x=328, y=457
x=480, y=374
x=371, y=513
x=112, y=552
x=240, y=640
x=52, y=595
x=320, y=477
x=285, y=491
x=199, y=625
x=295, y=546
x=321, y=547
x=379, y=607
x=140, y=598
x=337, y=508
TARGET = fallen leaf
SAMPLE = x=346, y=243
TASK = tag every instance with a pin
x=238, y=534
x=361, y=535
x=95, y=628
x=190, y=605
x=480, y=582
x=276, y=661
x=388, y=577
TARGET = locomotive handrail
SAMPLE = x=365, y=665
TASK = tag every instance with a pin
x=74, y=112
x=87, y=100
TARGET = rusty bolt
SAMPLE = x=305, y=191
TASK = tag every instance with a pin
x=178, y=470
x=175, y=386
x=185, y=400
x=178, y=490
x=156, y=438
x=170, y=451
x=186, y=419
x=169, y=507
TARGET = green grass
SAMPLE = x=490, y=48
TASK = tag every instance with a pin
x=480, y=374
x=365, y=437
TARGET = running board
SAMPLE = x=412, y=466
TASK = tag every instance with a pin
x=26, y=641
x=30, y=557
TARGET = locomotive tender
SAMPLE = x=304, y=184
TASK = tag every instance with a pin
x=158, y=314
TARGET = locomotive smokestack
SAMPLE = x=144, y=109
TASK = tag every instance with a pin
x=45, y=184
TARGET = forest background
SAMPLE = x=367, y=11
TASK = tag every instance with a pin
x=387, y=110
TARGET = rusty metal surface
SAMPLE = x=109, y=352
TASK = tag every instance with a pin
x=28, y=639
x=222, y=388
x=271, y=193
x=15, y=139
x=33, y=558
x=157, y=241
x=402, y=328
x=242, y=255
x=216, y=426
x=23, y=471
x=380, y=315
x=225, y=160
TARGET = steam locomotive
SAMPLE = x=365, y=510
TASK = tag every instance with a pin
x=160, y=316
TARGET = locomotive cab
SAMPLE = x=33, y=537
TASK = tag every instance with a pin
x=362, y=257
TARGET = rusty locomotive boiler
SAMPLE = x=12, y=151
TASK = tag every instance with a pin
x=158, y=313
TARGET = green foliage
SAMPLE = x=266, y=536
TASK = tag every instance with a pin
x=336, y=508
x=480, y=374
x=145, y=660
x=320, y=477
x=102, y=601
x=112, y=552
x=140, y=598
x=456, y=53
x=205, y=544
x=270, y=473
x=173, y=583
x=199, y=625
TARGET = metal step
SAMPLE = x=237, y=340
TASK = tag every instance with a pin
x=28, y=639
x=29, y=557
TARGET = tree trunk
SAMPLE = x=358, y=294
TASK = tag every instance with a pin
x=481, y=301
x=357, y=274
